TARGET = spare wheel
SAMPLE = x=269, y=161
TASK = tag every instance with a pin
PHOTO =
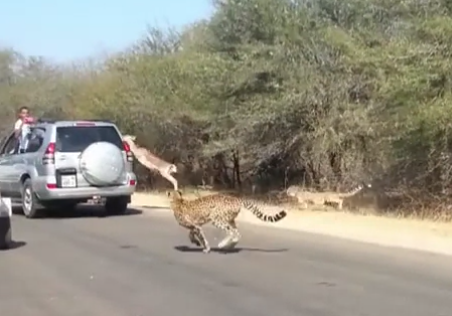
x=102, y=164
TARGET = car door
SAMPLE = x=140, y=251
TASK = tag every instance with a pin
x=18, y=164
x=7, y=153
x=23, y=163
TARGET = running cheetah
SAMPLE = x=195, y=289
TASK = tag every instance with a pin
x=304, y=196
x=338, y=198
x=323, y=198
x=221, y=210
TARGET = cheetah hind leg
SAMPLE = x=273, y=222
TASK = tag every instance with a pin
x=233, y=235
x=235, y=238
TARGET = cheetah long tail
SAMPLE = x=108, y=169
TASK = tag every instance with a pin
x=262, y=216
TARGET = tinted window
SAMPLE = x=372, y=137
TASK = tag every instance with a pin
x=77, y=138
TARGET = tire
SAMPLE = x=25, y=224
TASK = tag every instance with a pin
x=116, y=205
x=30, y=203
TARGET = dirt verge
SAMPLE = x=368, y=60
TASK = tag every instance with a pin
x=393, y=232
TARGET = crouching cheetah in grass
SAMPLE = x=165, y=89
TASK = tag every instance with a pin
x=218, y=209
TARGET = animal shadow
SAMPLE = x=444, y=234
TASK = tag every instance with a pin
x=184, y=248
x=86, y=211
x=14, y=245
x=148, y=207
x=128, y=247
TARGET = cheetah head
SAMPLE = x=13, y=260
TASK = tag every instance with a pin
x=175, y=194
x=292, y=190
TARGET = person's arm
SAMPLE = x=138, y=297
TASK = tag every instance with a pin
x=17, y=128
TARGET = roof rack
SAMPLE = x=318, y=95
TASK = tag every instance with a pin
x=51, y=121
x=45, y=120
x=91, y=120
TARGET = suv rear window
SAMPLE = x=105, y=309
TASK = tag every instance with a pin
x=76, y=138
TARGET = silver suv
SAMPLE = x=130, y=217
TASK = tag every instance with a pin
x=66, y=163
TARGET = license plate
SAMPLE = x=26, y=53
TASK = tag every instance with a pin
x=96, y=200
x=68, y=181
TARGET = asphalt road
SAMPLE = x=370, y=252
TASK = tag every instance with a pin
x=132, y=266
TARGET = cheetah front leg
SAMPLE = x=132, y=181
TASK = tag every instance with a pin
x=197, y=237
x=202, y=239
x=194, y=237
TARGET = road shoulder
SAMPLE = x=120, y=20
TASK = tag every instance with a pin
x=412, y=234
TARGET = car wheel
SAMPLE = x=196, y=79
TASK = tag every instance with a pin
x=30, y=204
x=116, y=205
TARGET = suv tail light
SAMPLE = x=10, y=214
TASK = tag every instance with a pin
x=128, y=151
x=49, y=155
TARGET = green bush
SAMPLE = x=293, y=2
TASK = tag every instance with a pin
x=274, y=92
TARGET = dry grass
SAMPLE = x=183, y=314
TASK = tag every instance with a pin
x=367, y=205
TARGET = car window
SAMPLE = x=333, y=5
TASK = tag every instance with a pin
x=10, y=145
x=36, y=140
x=3, y=141
x=78, y=138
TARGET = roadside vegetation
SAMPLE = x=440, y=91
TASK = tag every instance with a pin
x=269, y=93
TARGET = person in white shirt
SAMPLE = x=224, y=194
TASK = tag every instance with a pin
x=22, y=128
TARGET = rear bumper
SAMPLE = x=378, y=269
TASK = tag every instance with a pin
x=80, y=193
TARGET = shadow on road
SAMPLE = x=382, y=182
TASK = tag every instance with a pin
x=17, y=210
x=82, y=211
x=15, y=245
x=234, y=250
x=153, y=207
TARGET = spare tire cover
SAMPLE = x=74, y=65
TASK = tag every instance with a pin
x=102, y=164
